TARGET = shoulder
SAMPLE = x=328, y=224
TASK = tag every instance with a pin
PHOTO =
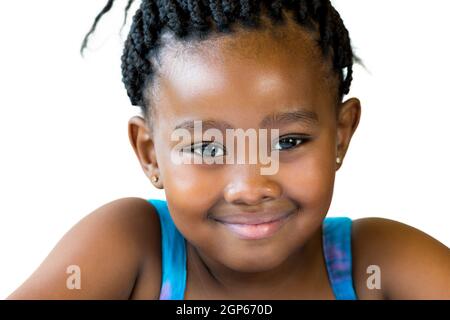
x=409, y=263
x=112, y=248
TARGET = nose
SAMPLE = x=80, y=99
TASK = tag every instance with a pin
x=247, y=186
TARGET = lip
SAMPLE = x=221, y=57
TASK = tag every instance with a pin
x=253, y=217
x=258, y=228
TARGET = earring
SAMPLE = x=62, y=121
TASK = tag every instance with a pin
x=155, y=179
x=338, y=160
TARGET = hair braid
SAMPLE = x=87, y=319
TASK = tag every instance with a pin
x=198, y=18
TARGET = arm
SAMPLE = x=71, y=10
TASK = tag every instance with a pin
x=413, y=265
x=110, y=246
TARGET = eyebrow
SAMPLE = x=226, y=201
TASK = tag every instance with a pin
x=278, y=118
x=206, y=124
x=296, y=115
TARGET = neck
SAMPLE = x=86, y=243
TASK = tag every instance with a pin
x=298, y=271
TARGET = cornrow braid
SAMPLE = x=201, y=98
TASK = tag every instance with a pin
x=196, y=19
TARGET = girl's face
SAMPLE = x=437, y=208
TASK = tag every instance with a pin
x=243, y=81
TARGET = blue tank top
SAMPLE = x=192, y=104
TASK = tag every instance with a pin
x=336, y=248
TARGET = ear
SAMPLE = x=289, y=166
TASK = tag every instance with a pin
x=143, y=145
x=347, y=122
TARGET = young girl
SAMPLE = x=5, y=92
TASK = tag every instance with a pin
x=227, y=231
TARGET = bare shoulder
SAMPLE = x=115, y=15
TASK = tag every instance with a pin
x=104, y=256
x=410, y=263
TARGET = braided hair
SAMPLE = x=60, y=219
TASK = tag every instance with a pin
x=196, y=19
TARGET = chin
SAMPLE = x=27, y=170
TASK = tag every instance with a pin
x=253, y=260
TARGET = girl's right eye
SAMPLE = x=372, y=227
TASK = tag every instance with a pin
x=208, y=149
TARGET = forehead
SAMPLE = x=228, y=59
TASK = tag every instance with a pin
x=242, y=76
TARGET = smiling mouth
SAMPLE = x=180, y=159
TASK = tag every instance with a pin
x=256, y=231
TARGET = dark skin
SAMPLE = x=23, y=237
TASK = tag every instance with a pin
x=281, y=76
x=241, y=79
x=226, y=85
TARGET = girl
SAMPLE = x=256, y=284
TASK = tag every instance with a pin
x=225, y=230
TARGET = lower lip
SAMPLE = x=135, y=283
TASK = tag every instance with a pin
x=256, y=231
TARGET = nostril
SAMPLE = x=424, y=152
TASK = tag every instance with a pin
x=252, y=192
x=252, y=200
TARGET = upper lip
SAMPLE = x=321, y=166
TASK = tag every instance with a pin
x=254, y=217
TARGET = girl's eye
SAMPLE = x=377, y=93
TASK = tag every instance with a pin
x=289, y=142
x=207, y=149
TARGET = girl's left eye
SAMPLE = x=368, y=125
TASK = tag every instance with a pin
x=289, y=142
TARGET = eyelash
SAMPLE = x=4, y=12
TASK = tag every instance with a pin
x=299, y=140
x=191, y=148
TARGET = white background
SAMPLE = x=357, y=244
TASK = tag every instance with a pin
x=63, y=122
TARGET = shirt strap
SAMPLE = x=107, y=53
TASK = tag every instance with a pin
x=336, y=236
x=173, y=245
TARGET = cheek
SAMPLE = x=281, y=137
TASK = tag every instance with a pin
x=191, y=191
x=310, y=178
x=187, y=185
x=192, y=185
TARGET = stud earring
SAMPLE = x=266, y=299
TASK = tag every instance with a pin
x=338, y=160
x=155, y=179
